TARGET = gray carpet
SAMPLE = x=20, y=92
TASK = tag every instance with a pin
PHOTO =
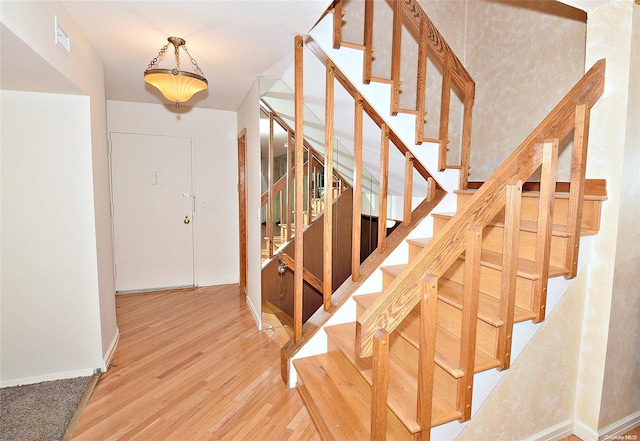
x=41, y=411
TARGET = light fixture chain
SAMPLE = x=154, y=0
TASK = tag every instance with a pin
x=158, y=57
x=177, y=57
x=193, y=61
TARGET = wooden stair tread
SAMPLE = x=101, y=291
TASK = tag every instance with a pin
x=335, y=412
x=419, y=241
x=447, y=344
x=490, y=259
x=402, y=393
x=558, y=230
x=536, y=194
x=488, y=306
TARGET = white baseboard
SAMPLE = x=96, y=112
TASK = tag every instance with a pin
x=619, y=428
x=111, y=351
x=257, y=316
x=554, y=433
x=48, y=377
x=583, y=432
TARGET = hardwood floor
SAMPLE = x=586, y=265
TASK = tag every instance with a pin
x=191, y=365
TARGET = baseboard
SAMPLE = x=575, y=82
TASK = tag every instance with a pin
x=615, y=430
x=554, y=433
x=583, y=432
x=257, y=316
x=48, y=377
x=111, y=351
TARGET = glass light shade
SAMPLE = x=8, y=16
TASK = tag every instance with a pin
x=176, y=85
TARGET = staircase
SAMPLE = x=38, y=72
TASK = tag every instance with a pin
x=408, y=361
x=336, y=386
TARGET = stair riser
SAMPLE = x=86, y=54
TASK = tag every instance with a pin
x=529, y=210
x=490, y=280
x=339, y=366
x=492, y=239
x=450, y=318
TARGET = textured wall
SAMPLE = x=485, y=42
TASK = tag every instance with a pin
x=621, y=394
x=538, y=390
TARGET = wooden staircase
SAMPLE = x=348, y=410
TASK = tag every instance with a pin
x=337, y=386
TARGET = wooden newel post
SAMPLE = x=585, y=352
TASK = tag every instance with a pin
x=379, y=388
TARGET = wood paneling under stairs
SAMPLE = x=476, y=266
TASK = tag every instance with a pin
x=191, y=365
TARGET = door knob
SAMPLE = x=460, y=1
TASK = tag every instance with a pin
x=186, y=220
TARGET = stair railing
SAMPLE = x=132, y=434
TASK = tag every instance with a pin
x=431, y=44
x=463, y=234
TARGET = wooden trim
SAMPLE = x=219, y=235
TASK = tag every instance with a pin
x=299, y=214
x=465, y=148
x=242, y=207
x=445, y=102
x=380, y=386
x=357, y=191
x=384, y=188
x=328, y=187
x=408, y=187
x=396, y=49
x=368, y=41
x=431, y=190
x=338, y=13
x=545, y=223
x=509, y=274
x=576, y=192
x=290, y=188
x=421, y=83
x=398, y=299
x=270, y=160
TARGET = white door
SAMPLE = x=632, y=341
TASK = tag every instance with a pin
x=152, y=211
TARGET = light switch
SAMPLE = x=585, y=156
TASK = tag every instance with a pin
x=153, y=177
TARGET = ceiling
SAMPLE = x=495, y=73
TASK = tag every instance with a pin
x=232, y=41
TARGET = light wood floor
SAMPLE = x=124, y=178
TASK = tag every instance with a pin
x=191, y=365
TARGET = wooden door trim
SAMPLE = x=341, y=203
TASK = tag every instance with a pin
x=242, y=207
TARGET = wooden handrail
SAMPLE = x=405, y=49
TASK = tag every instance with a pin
x=395, y=303
x=307, y=275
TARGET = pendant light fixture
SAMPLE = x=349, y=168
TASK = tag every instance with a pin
x=176, y=85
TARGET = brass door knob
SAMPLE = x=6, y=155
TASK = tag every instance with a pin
x=186, y=220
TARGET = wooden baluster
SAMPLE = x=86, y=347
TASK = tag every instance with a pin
x=357, y=189
x=510, y=241
x=421, y=81
x=576, y=190
x=426, y=356
x=337, y=23
x=408, y=187
x=396, y=48
x=299, y=217
x=384, y=188
x=368, y=41
x=290, y=188
x=270, y=161
x=445, y=103
x=545, y=221
x=465, y=152
x=379, y=388
x=471, y=290
x=327, y=264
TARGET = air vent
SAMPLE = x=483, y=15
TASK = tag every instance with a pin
x=61, y=36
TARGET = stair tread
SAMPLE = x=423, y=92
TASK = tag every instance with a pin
x=333, y=408
x=490, y=259
x=447, y=354
x=451, y=292
x=402, y=395
x=536, y=194
x=558, y=230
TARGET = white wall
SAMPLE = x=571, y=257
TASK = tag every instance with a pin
x=213, y=134
x=39, y=59
x=249, y=118
x=50, y=317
